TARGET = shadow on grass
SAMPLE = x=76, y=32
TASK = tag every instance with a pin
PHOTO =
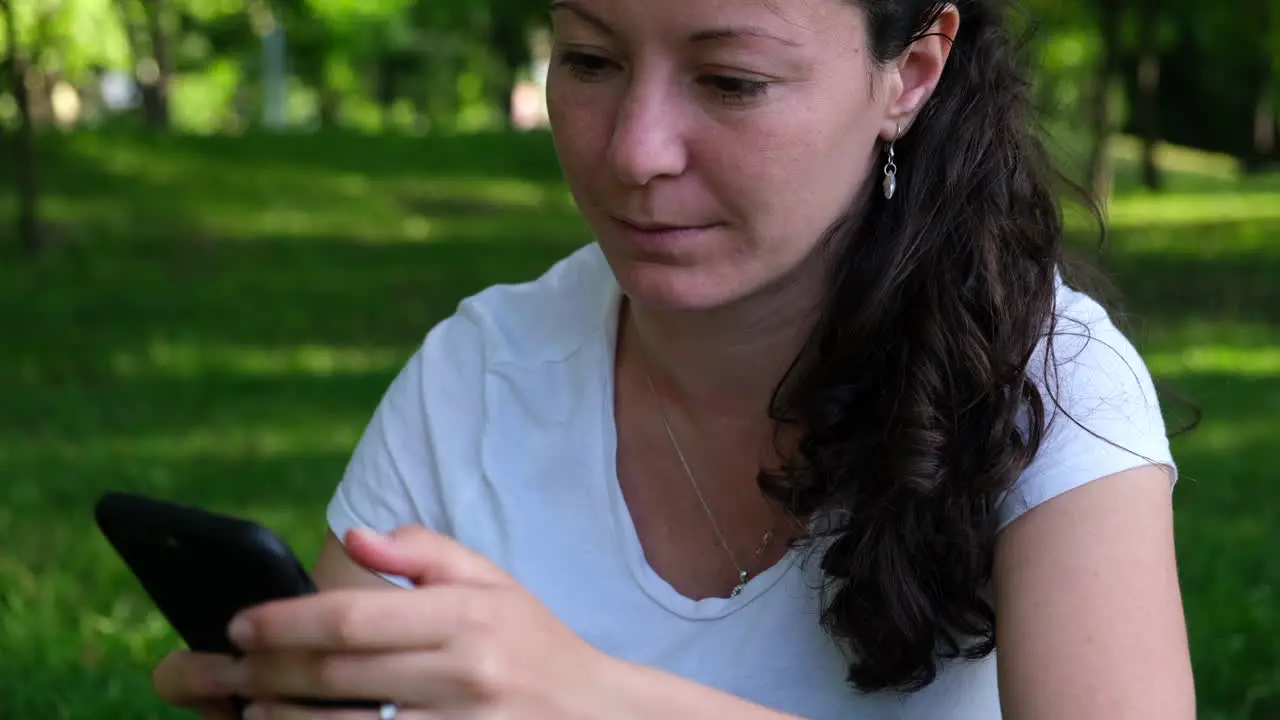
x=138, y=186
x=1227, y=512
x=1209, y=270
x=76, y=318
x=529, y=155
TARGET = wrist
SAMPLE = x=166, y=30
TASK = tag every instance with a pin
x=624, y=690
x=614, y=690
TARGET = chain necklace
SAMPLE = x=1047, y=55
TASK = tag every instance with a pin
x=743, y=574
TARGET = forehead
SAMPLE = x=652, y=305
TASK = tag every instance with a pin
x=792, y=21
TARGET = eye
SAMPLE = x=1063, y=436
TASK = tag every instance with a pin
x=586, y=66
x=734, y=90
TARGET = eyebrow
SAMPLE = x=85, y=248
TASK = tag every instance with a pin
x=709, y=35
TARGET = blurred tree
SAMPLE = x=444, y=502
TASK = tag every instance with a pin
x=1149, y=18
x=23, y=143
x=1144, y=67
x=1109, y=16
x=149, y=28
x=510, y=24
x=1218, y=80
x=1266, y=77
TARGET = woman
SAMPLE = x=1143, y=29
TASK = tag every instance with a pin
x=811, y=424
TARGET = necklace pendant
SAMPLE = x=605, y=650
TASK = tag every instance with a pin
x=742, y=584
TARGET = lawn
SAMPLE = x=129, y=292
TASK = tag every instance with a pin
x=216, y=318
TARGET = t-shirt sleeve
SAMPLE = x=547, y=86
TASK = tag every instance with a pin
x=1102, y=411
x=397, y=474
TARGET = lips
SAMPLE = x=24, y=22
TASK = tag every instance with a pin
x=660, y=227
x=665, y=239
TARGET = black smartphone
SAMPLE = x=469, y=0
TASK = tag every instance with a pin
x=201, y=568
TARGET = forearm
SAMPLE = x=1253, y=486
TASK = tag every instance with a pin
x=636, y=692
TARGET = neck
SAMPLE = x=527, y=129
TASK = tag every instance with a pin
x=725, y=363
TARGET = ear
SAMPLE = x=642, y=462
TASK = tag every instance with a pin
x=914, y=76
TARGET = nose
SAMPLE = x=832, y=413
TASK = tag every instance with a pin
x=647, y=141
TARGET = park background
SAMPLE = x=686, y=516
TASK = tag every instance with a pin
x=225, y=224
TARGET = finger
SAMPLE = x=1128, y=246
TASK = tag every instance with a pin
x=282, y=711
x=422, y=556
x=355, y=620
x=195, y=680
x=425, y=679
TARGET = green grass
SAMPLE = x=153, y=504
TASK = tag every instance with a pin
x=216, y=319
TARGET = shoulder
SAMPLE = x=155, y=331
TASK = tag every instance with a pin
x=545, y=319
x=542, y=320
x=1101, y=407
x=419, y=456
x=507, y=331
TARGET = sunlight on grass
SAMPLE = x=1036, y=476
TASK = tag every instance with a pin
x=1194, y=332
x=107, y=216
x=1231, y=436
x=368, y=211
x=368, y=222
x=261, y=441
x=511, y=193
x=193, y=360
x=1174, y=158
x=266, y=199
x=125, y=623
x=1138, y=210
x=1238, y=361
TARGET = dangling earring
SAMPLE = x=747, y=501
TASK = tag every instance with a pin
x=891, y=168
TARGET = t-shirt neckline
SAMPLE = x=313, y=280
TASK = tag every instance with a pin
x=653, y=584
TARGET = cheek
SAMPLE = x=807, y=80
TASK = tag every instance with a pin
x=802, y=172
x=579, y=123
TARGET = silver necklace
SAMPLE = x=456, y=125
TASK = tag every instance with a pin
x=743, y=575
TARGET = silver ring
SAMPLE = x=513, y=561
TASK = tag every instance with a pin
x=388, y=711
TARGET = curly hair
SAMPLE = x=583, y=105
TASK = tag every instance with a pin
x=913, y=394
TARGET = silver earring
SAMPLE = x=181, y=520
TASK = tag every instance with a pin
x=891, y=168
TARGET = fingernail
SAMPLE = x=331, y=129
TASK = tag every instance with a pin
x=240, y=631
x=255, y=712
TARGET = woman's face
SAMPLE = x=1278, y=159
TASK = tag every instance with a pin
x=710, y=143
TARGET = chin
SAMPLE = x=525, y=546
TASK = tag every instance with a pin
x=676, y=288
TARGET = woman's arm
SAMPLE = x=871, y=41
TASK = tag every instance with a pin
x=335, y=569
x=636, y=692
x=1089, y=614
x=641, y=691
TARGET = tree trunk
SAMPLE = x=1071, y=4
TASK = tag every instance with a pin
x=512, y=46
x=155, y=88
x=1264, y=128
x=330, y=101
x=1264, y=117
x=24, y=142
x=1149, y=92
x=133, y=39
x=1100, y=173
x=386, y=73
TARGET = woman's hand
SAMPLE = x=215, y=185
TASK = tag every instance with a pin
x=197, y=682
x=467, y=642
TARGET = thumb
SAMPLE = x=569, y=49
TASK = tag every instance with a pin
x=422, y=556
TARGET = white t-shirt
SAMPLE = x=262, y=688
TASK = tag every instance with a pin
x=500, y=432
